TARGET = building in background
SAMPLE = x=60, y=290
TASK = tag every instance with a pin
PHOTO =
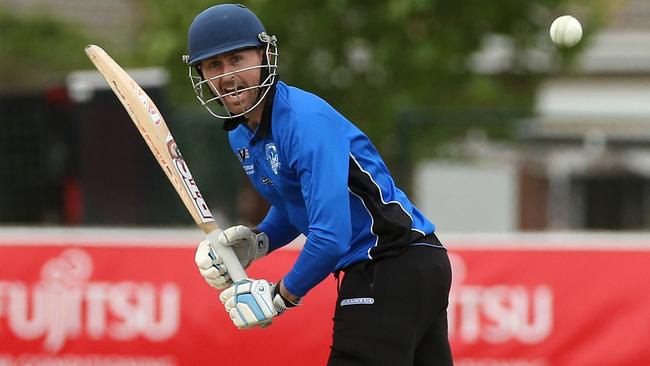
x=592, y=136
x=583, y=160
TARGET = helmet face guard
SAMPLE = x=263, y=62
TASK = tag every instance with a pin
x=210, y=97
x=221, y=29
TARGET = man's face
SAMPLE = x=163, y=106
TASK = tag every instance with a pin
x=229, y=85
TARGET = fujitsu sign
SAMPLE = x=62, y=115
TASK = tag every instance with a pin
x=66, y=305
x=498, y=312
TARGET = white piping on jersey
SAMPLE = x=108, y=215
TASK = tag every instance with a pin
x=426, y=245
x=381, y=196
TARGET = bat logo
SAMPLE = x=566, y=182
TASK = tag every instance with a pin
x=173, y=149
x=151, y=108
x=188, y=180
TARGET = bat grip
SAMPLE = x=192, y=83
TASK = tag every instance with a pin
x=228, y=256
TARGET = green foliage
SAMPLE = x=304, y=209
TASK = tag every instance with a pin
x=37, y=50
x=163, y=41
x=371, y=59
x=399, y=69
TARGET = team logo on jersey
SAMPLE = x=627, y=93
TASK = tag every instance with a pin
x=272, y=157
x=243, y=154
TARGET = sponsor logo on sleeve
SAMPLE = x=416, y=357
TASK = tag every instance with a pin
x=249, y=169
x=243, y=154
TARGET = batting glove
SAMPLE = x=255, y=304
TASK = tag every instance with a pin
x=253, y=303
x=247, y=245
x=211, y=267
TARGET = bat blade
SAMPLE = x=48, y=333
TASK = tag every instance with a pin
x=153, y=128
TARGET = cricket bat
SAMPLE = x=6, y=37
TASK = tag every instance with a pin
x=155, y=132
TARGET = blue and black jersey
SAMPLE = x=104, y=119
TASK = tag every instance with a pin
x=324, y=179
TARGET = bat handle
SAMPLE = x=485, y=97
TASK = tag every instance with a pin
x=228, y=256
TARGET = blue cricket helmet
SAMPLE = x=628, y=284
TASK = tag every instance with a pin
x=223, y=28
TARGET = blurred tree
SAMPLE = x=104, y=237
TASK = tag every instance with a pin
x=369, y=59
x=372, y=58
x=37, y=50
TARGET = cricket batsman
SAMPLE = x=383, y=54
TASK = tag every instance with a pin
x=324, y=179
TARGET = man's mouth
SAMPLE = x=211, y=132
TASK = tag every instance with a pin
x=234, y=93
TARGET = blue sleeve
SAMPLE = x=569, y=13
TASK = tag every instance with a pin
x=278, y=228
x=319, y=151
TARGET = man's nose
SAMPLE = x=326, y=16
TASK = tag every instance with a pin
x=229, y=77
x=229, y=69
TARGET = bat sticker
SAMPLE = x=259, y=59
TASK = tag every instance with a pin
x=188, y=181
x=151, y=108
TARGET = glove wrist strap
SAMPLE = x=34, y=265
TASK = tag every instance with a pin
x=261, y=245
x=281, y=303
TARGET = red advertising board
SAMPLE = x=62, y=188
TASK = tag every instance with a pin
x=557, y=307
x=120, y=298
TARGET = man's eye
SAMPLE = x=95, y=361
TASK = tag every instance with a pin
x=236, y=58
x=213, y=65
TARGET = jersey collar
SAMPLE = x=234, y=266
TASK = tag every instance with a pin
x=264, y=129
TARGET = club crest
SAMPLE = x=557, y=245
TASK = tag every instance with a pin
x=272, y=157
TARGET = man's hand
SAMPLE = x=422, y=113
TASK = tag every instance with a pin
x=253, y=303
x=211, y=267
x=247, y=245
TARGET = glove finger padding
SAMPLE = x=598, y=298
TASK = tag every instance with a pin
x=211, y=267
x=211, y=273
x=227, y=294
x=239, y=324
x=237, y=236
x=202, y=257
x=221, y=283
x=249, y=303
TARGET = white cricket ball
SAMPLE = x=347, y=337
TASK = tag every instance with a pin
x=566, y=31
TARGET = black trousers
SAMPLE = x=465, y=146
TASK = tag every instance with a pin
x=393, y=311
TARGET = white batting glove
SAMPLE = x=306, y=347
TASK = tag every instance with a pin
x=211, y=267
x=253, y=303
x=247, y=245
